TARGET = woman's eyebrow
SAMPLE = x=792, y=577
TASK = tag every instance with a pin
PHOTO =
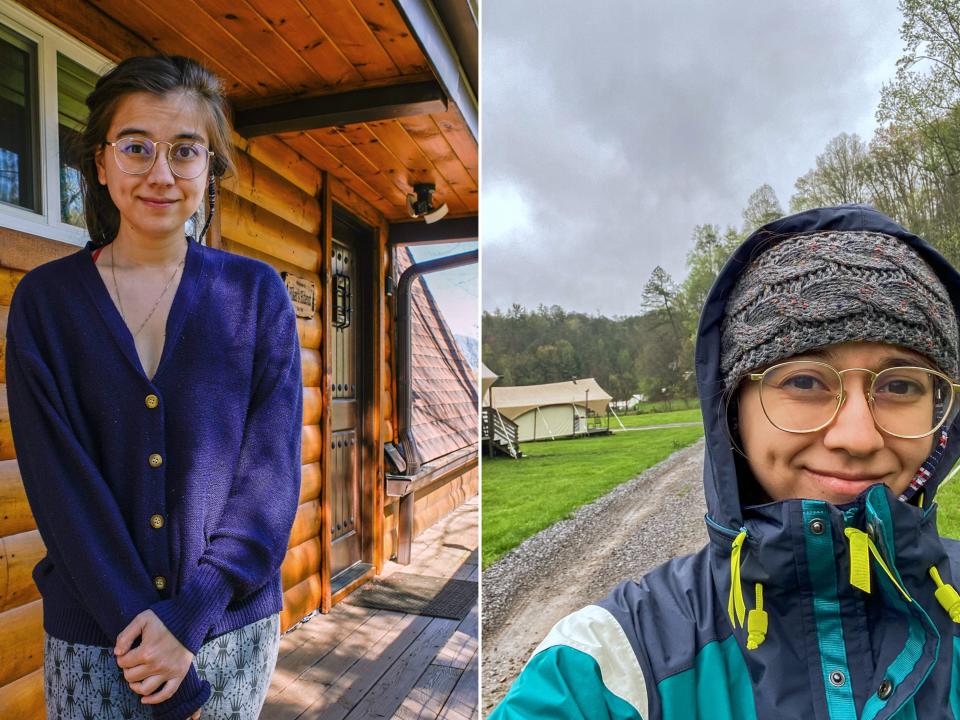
x=900, y=361
x=885, y=362
x=179, y=136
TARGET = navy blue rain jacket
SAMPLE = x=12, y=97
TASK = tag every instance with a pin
x=808, y=642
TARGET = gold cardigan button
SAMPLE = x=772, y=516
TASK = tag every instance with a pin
x=156, y=521
x=151, y=401
x=160, y=582
x=155, y=460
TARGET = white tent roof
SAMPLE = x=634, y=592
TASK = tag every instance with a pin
x=515, y=401
x=487, y=378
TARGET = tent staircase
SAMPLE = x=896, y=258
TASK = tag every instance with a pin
x=500, y=435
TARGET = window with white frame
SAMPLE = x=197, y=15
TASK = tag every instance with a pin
x=45, y=77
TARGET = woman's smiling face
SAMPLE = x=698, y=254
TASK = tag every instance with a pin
x=843, y=459
x=157, y=203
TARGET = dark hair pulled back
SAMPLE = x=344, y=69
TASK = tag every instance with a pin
x=158, y=75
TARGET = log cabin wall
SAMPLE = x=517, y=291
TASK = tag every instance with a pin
x=270, y=210
x=21, y=609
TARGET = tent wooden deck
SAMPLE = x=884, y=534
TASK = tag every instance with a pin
x=358, y=663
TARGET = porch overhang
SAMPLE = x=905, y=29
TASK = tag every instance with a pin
x=346, y=108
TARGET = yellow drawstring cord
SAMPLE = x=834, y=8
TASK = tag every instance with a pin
x=757, y=622
x=736, y=607
x=946, y=595
x=861, y=548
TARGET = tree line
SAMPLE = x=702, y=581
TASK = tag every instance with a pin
x=909, y=170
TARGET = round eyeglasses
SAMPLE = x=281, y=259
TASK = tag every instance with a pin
x=136, y=156
x=802, y=396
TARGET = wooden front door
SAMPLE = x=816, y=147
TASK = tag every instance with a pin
x=347, y=393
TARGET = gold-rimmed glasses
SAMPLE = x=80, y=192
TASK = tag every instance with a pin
x=137, y=155
x=801, y=396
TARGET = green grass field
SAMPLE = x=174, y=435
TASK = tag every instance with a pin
x=664, y=418
x=948, y=508
x=554, y=478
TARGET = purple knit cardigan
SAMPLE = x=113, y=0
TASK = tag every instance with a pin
x=175, y=493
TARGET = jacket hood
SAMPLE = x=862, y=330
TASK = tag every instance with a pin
x=720, y=470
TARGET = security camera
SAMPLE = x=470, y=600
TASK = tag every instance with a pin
x=420, y=203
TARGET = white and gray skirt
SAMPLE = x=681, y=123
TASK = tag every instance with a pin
x=82, y=682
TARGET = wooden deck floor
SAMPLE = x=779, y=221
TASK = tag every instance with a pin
x=358, y=662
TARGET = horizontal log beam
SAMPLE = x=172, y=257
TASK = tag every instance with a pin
x=311, y=438
x=21, y=637
x=299, y=601
x=18, y=555
x=301, y=562
x=312, y=405
x=23, y=698
x=15, y=514
x=260, y=185
x=306, y=523
x=261, y=230
x=346, y=108
x=310, y=482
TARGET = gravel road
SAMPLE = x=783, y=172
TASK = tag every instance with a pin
x=644, y=522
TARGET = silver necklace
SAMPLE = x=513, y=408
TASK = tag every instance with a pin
x=117, y=289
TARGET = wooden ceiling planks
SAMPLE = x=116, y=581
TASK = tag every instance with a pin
x=455, y=130
x=270, y=50
x=351, y=33
x=422, y=167
x=425, y=133
x=93, y=26
x=262, y=41
x=192, y=33
x=350, y=155
x=382, y=160
x=304, y=33
x=385, y=21
x=361, y=137
x=308, y=148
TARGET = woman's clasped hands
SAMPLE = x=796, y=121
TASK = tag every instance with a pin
x=158, y=665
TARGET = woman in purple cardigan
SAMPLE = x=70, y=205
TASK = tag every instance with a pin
x=156, y=405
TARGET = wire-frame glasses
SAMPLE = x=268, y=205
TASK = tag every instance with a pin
x=801, y=396
x=137, y=155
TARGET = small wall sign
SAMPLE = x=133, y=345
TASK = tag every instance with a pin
x=303, y=294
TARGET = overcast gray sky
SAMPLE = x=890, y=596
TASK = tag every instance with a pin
x=611, y=129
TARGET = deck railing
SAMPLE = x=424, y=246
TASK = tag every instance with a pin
x=500, y=434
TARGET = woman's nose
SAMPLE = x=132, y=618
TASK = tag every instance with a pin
x=854, y=429
x=160, y=172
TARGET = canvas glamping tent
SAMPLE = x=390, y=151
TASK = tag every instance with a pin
x=553, y=410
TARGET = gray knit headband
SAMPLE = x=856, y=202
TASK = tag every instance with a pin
x=809, y=291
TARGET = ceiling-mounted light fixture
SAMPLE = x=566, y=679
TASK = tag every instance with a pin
x=420, y=204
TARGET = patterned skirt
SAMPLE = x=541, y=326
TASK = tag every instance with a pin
x=82, y=682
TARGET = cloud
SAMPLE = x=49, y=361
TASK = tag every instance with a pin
x=610, y=132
